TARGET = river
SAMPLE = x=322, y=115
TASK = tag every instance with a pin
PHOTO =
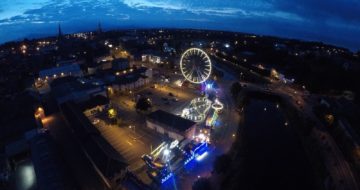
x=274, y=156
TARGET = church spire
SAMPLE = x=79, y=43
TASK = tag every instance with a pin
x=60, y=34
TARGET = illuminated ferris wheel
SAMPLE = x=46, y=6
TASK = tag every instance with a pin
x=195, y=65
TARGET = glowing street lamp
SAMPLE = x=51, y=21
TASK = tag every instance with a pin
x=39, y=113
x=112, y=113
x=132, y=127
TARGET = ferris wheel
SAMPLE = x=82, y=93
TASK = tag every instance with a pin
x=195, y=65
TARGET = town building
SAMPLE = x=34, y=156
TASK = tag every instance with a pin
x=107, y=162
x=70, y=88
x=60, y=71
x=95, y=104
x=171, y=125
x=120, y=64
x=132, y=80
x=50, y=170
x=151, y=57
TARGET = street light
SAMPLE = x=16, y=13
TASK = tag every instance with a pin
x=39, y=113
x=132, y=127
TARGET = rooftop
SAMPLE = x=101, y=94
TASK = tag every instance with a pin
x=69, y=85
x=171, y=120
x=97, y=100
x=100, y=151
x=46, y=160
x=67, y=68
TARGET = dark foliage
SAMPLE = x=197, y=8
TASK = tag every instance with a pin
x=202, y=184
x=143, y=104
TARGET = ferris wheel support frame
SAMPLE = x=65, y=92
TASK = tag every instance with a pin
x=181, y=65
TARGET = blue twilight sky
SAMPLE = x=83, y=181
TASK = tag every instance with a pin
x=331, y=21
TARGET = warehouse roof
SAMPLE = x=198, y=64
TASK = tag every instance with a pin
x=165, y=118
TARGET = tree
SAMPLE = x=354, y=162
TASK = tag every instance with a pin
x=235, y=89
x=202, y=184
x=222, y=163
x=143, y=104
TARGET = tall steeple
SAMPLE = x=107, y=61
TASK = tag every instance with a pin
x=60, y=34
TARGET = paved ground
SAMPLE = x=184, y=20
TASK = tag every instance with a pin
x=161, y=99
x=131, y=143
x=24, y=177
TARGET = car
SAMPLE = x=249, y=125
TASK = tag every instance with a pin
x=146, y=158
x=95, y=121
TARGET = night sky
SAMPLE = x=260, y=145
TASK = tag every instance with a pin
x=331, y=21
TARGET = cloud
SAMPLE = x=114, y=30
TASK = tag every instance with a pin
x=211, y=8
x=153, y=4
x=307, y=19
x=347, y=11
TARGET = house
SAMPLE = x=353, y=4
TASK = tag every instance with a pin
x=132, y=80
x=151, y=57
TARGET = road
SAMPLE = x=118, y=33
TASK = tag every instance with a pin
x=230, y=119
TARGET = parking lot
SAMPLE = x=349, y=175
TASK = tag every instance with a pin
x=168, y=98
x=132, y=139
x=131, y=142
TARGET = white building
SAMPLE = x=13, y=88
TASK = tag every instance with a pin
x=151, y=58
x=133, y=80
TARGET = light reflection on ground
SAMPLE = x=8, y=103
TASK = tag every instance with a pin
x=24, y=176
